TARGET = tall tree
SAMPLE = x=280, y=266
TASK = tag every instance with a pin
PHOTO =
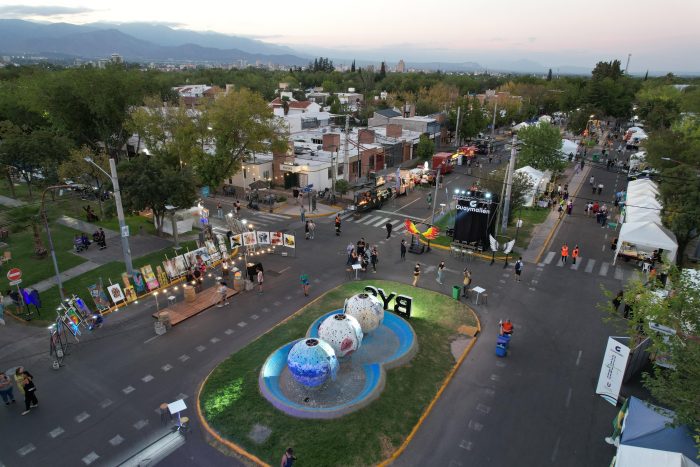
x=425, y=148
x=352, y=67
x=76, y=168
x=549, y=75
x=382, y=71
x=541, y=147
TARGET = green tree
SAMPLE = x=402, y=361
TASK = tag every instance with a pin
x=658, y=106
x=76, y=168
x=522, y=184
x=382, y=71
x=425, y=148
x=473, y=121
x=342, y=186
x=352, y=67
x=549, y=75
x=677, y=387
x=148, y=182
x=29, y=216
x=540, y=147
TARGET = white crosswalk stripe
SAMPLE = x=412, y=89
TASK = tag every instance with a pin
x=550, y=256
x=590, y=265
x=619, y=273
x=381, y=222
x=368, y=220
x=604, y=269
x=575, y=266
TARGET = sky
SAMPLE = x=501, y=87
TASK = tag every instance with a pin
x=660, y=35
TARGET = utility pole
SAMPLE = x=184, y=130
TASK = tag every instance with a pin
x=437, y=184
x=509, y=184
x=346, y=162
x=493, y=127
x=627, y=67
x=42, y=210
x=459, y=109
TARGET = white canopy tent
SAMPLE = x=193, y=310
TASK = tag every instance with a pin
x=634, y=456
x=568, y=148
x=642, y=189
x=637, y=214
x=645, y=200
x=647, y=235
x=520, y=126
x=539, y=181
x=545, y=119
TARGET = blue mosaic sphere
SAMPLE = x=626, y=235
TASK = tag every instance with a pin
x=311, y=362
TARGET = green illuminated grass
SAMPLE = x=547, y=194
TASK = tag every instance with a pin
x=232, y=404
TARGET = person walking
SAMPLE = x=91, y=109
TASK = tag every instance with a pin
x=261, y=278
x=6, y=389
x=591, y=181
x=219, y=211
x=466, y=282
x=307, y=235
x=374, y=258
x=337, y=225
x=305, y=284
x=403, y=250
x=600, y=188
x=388, y=227
x=440, y=272
x=416, y=274
x=312, y=228
x=30, y=400
x=302, y=213
x=19, y=378
x=429, y=199
x=564, y=253
x=223, y=291
x=288, y=458
x=574, y=254
x=518, y=268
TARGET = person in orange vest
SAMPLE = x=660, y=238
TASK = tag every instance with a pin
x=564, y=253
x=506, y=327
x=574, y=254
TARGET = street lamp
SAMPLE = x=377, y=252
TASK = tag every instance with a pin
x=123, y=228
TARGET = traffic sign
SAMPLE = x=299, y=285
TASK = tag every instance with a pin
x=125, y=230
x=14, y=274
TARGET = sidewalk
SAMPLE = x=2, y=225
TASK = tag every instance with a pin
x=46, y=284
x=543, y=233
x=11, y=202
x=83, y=226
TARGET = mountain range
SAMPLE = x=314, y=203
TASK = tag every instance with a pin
x=146, y=42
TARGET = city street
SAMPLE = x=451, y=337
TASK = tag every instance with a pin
x=535, y=407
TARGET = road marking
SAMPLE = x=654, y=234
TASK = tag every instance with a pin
x=140, y=424
x=548, y=259
x=501, y=281
x=242, y=324
x=214, y=340
x=285, y=269
x=476, y=426
x=228, y=332
x=24, y=450
x=90, y=458
x=466, y=445
x=505, y=274
x=81, y=417
x=254, y=316
x=578, y=359
x=367, y=220
x=560, y=263
x=128, y=390
x=381, y=222
x=150, y=339
x=604, y=269
x=407, y=205
x=532, y=289
x=539, y=266
x=495, y=378
x=277, y=303
x=556, y=449
x=58, y=431
x=602, y=248
x=589, y=265
x=483, y=408
x=500, y=364
x=575, y=265
x=166, y=367
x=266, y=310
x=490, y=392
x=619, y=274
x=400, y=228
x=288, y=297
x=402, y=215
x=105, y=403
x=183, y=358
x=200, y=348
x=116, y=441
x=535, y=281
x=147, y=378
x=568, y=398
x=182, y=396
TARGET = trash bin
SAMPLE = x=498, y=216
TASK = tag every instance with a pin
x=503, y=340
x=456, y=289
x=164, y=318
x=501, y=351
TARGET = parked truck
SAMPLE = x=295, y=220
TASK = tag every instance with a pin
x=444, y=162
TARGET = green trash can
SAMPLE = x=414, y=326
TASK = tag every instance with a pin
x=456, y=289
x=596, y=157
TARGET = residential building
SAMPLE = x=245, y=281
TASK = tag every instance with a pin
x=401, y=67
x=293, y=107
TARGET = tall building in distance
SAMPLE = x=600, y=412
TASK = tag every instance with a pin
x=116, y=58
x=401, y=67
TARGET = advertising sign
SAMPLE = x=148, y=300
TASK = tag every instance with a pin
x=613, y=370
x=475, y=220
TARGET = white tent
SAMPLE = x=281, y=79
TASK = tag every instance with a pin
x=642, y=182
x=568, y=148
x=520, y=126
x=634, y=456
x=644, y=200
x=647, y=236
x=642, y=190
x=636, y=214
x=539, y=182
x=545, y=119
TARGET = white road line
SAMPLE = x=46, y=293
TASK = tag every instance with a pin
x=128, y=390
x=214, y=340
x=183, y=358
x=140, y=424
x=466, y=445
x=400, y=227
x=560, y=263
x=58, y=431
x=90, y=458
x=556, y=449
x=568, y=398
x=483, y=408
x=578, y=359
x=182, y=396
x=242, y=324
x=147, y=378
x=590, y=265
x=407, y=205
x=396, y=222
x=81, y=417
x=166, y=367
x=550, y=256
x=575, y=266
x=254, y=316
x=200, y=348
x=604, y=269
x=271, y=214
x=368, y=220
x=105, y=403
x=381, y=222
x=26, y=449
x=150, y=339
x=116, y=441
x=285, y=269
x=619, y=275
x=228, y=332
x=476, y=426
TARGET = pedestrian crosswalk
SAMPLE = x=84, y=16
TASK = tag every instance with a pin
x=377, y=221
x=591, y=266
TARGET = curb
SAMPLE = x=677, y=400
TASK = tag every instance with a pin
x=430, y=407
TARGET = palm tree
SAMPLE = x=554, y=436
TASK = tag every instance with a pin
x=29, y=216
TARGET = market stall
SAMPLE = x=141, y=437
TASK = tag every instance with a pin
x=638, y=240
x=539, y=181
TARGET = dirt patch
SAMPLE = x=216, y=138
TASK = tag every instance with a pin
x=387, y=446
x=458, y=346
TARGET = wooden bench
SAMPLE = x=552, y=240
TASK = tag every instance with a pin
x=203, y=301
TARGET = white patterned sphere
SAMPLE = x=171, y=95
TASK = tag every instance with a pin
x=343, y=333
x=367, y=309
x=311, y=362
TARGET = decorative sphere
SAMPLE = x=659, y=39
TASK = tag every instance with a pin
x=311, y=362
x=367, y=309
x=343, y=333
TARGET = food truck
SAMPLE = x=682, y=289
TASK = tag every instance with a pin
x=444, y=162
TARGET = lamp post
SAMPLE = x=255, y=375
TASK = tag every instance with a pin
x=42, y=211
x=123, y=228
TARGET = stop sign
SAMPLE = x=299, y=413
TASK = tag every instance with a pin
x=14, y=274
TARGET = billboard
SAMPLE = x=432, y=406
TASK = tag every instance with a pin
x=475, y=220
x=612, y=370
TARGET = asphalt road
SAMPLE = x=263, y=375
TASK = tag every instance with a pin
x=101, y=406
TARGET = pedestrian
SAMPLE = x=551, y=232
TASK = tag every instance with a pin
x=238, y=208
x=219, y=211
x=350, y=249
x=569, y=207
x=388, y=227
x=337, y=225
x=302, y=212
x=307, y=235
x=403, y=250
x=574, y=254
x=466, y=282
x=312, y=228
x=429, y=199
x=102, y=239
x=564, y=253
x=260, y=279
x=30, y=400
x=305, y=284
x=198, y=279
x=440, y=272
x=600, y=188
x=6, y=389
x=288, y=458
x=518, y=268
x=618, y=300
x=19, y=378
x=416, y=274
x=361, y=246
x=223, y=291
x=374, y=258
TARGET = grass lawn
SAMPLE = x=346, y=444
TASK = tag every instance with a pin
x=232, y=404
x=134, y=222
x=78, y=285
x=21, y=245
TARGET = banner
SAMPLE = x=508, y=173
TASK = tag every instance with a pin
x=612, y=371
x=263, y=237
x=289, y=241
x=475, y=221
x=276, y=238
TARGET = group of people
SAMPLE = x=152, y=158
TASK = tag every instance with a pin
x=601, y=212
x=565, y=253
x=25, y=384
x=81, y=242
x=309, y=229
x=363, y=254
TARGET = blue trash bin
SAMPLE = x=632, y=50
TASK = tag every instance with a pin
x=503, y=340
x=501, y=350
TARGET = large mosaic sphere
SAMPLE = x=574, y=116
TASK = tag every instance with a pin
x=367, y=309
x=343, y=333
x=311, y=362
